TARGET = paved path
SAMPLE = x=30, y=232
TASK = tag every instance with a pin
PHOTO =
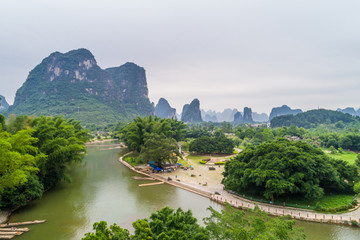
x=302, y=214
x=238, y=202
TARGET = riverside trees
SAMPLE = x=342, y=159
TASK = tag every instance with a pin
x=228, y=224
x=282, y=168
x=36, y=156
x=217, y=144
x=152, y=138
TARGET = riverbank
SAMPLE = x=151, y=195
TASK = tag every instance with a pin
x=4, y=216
x=206, y=183
x=101, y=141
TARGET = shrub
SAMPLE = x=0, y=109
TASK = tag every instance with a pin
x=354, y=223
x=219, y=163
x=202, y=161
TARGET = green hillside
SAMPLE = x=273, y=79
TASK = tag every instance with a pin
x=73, y=85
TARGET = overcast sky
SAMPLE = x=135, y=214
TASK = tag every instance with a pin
x=228, y=54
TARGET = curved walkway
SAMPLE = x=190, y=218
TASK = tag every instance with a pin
x=238, y=202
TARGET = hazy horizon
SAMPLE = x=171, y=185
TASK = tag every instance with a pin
x=228, y=54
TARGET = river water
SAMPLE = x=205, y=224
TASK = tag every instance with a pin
x=102, y=189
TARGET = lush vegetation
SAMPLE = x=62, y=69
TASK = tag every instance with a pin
x=227, y=224
x=73, y=85
x=313, y=118
x=217, y=144
x=283, y=168
x=153, y=139
x=35, y=154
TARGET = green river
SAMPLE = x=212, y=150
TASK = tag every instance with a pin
x=102, y=189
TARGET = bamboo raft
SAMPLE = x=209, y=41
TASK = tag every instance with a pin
x=143, y=178
x=10, y=233
x=6, y=236
x=16, y=229
x=21, y=223
x=150, y=184
x=9, y=230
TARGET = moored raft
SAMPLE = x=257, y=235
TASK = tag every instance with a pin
x=14, y=230
x=6, y=236
x=21, y=223
x=10, y=233
x=150, y=184
x=143, y=178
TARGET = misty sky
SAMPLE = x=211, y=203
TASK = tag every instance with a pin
x=228, y=54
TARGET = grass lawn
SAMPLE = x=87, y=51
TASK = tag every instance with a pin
x=131, y=158
x=197, y=158
x=347, y=156
x=183, y=162
x=332, y=201
x=328, y=201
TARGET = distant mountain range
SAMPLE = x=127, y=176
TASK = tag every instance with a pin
x=283, y=110
x=164, y=110
x=191, y=112
x=73, y=85
x=228, y=115
x=350, y=110
x=3, y=104
x=313, y=118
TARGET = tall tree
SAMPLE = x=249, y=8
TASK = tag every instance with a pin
x=282, y=168
x=159, y=148
x=18, y=158
x=63, y=143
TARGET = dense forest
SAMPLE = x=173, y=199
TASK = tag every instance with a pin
x=283, y=168
x=35, y=155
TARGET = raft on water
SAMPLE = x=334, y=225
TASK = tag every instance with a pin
x=143, y=178
x=21, y=223
x=6, y=236
x=150, y=184
x=14, y=230
x=10, y=233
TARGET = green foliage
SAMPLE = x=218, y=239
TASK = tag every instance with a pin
x=35, y=155
x=2, y=122
x=62, y=85
x=335, y=203
x=102, y=232
x=230, y=224
x=18, y=158
x=313, y=118
x=135, y=133
x=63, y=143
x=22, y=194
x=15, y=124
x=153, y=138
x=202, y=162
x=283, y=168
x=169, y=224
x=218, y=144
x=163, y=224
x=332, y=150
x=357, y=187
x=219, y=163
x=199, y=130
x=159, y=148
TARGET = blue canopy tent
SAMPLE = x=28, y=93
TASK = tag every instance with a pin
x=155, y=166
